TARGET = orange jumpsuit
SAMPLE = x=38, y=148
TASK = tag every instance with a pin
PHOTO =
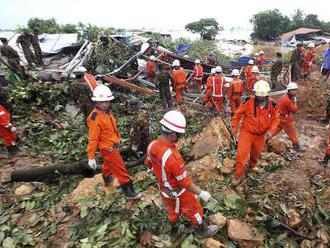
x=286, y=107
x=328, y=148
x=179, y=78
x=168, y=166
x=6, y=135
x=198, y=76
x=151, y=71
x=215, y=91
x=256, y=122
x=261, y=61
x=250, y=83
x=308, y=61
x=235, y=92
x=248, y=77
x=103, y=135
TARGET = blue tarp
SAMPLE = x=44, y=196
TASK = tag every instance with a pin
x=182, y=48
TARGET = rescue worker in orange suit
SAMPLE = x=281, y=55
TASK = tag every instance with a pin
x=260, y=120
x=252, y=80
x=177, y=190
x=235, y=91
x=103, y=134
x=287, y=105
x=215, y=90
x=7, y=131
x=261, y=60
x=151, y=69
x=309, y=60
x=198, y=74
x=326, y=158
x=179, y=79
x=248, y=74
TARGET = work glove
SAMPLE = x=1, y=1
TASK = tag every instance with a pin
x=92, y=164
x=205, y=196
x=13, y=129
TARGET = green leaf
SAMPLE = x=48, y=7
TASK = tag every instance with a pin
x=2, y=236
x=233, y=201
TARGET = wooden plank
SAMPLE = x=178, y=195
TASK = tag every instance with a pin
x=126, y=84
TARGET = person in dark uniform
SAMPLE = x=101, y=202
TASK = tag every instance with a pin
x=276, y=70
x=296, y=61
x=12, y=59
x=36, y=46
x=163, y=79
x=24, y=40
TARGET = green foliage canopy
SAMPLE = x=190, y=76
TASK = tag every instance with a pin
x=207, y=28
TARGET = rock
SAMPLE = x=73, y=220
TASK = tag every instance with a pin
x=146, y=239
x=92, y=186
x=276, y=145
x=218, y=219
x=212, y=138
x=227, y=166
x=24, y=189
x=245, y=234
x=294, y=218
x=196, y=169
x=8, y=243
x=213, y=243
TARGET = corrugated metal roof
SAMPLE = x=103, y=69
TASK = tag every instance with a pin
x=289, y=35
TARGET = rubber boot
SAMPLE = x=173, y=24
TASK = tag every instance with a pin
x=206, y=230
x=296, y=147
x=12, y=150
x=107, y=180
x=177, y=231
x=129, y=191
x=325, y=160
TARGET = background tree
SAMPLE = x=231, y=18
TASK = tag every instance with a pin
x=48, y=26
x=269, y=24
x=207, y=28
x=298, y=19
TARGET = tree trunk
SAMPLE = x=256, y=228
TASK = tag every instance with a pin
x=53, y=172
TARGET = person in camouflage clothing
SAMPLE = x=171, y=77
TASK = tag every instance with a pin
x=24, y=40
x=276, y=70
x=163, y=80
x=297, y=59
x=36, y=46
x=140, y=135
x=12, y=59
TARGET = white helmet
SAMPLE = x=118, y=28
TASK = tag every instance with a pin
x=261, y=88
x=261, y=52
x=197, y=61
x=311, y=45
x=292, y=86
x=255, y=69
x=251, y=62
x=235, y=72
x=218, y=69
x=152, y=57
x=102, y=93
x=213, y=71
x=186, y=56
x=174, y=121
x=176, y=63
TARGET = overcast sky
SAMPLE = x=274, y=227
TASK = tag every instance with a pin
x=167, y=14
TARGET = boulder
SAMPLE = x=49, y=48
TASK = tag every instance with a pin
x=213, y=243
x=218, y=219
x=212, y=138
x=245, y=234
x=24, y=189
x=276, y=145
x=228, y=166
